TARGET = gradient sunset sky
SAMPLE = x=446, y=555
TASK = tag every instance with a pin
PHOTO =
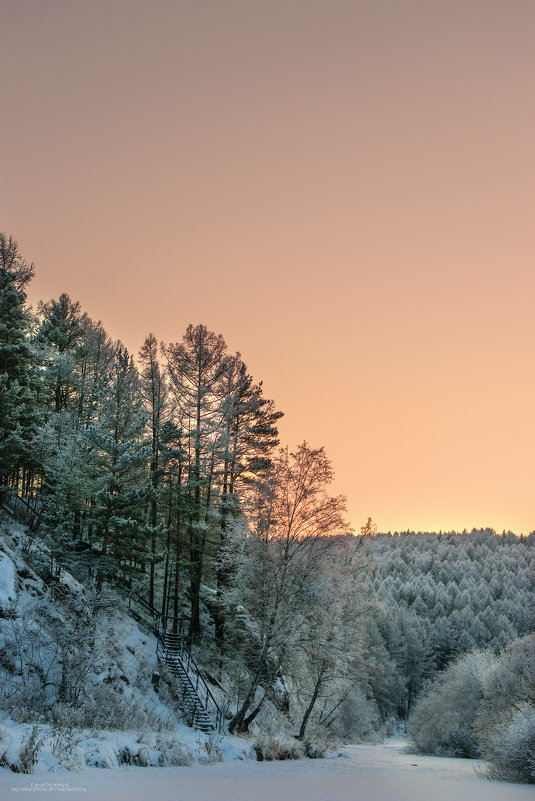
x=344, y=190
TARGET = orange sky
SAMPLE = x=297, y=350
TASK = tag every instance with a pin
x=344, y=190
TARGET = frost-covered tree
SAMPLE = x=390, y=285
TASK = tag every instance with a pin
x=407, y=640
x=292, y=526
x=469, y=590
x=248, y=436
x=96, y=357
x=483, y=705
x=153, y=393
x=196, y=367
x=379, y=676
x=60, y=337
x=17, y=378
x=505, y=722
x=174, y=508
x=443, y=719
x=62, y=451
x=329, y=633
x=118, y=460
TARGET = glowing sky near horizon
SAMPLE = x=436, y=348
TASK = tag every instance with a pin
x=344, y=190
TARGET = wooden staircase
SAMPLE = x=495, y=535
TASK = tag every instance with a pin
x=197, y=702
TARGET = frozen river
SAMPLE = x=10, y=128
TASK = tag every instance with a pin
x=362, y=773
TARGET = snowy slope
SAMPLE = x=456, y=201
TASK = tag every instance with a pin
x=8, y=584
x=117, y=715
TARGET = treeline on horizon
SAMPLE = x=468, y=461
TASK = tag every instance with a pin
x=170, y=469
x=452, y=533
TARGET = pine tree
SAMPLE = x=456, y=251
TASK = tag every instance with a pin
x=175, y=501
x=65, y=486
x=96, y=360
x=17, y=380
x=196, y=367
x=60, y=346
x=60, y=335
x=119, y=458
x=248, y=437
x=153, y=392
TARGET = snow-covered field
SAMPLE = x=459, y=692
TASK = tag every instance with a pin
x=361, y=773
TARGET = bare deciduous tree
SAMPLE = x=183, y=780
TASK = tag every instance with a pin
x=294, y=521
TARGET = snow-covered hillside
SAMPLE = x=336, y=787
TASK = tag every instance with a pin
x=77, y=679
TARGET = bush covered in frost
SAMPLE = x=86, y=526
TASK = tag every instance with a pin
x=271, y=747
x=512, y=749
x=483, y=705
x=505, y=724
x=443, y=720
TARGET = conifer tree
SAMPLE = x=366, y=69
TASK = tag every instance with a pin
x=196, y=367
x=175, y=499
x=153, y=393
x=96, y=360
x=17, y=380
x=59, y=344
x=119, y=456
x=60, y=334
x=63, y=453
x=248, y=438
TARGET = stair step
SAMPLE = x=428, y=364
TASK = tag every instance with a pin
x=195, y=710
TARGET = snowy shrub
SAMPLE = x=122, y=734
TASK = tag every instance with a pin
x=64, y=746
x=394, y=727
x=356, y=719
x=110, y=707
x=271, y=747
x=505, y=724
x=512, y=757
x=173, y=754
x=212, y=746
x=47, y=651
x=101, y=755
x=129, y=755
x=4, y=762
x=8, y=584
x=315, y=749
x=65, y=717
x=29, y=750
x=511, y=682
x=443, y=719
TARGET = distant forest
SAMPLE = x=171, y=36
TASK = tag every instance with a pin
x=163, y=476
x=444, y=594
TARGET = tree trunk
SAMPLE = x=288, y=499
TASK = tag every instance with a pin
x=222, y=573
x=238, y=722
x=310, y=707
x=166, y=578
x=178, y=554
x=244, y=726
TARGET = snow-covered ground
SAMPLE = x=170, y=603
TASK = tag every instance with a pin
x=360, y=773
